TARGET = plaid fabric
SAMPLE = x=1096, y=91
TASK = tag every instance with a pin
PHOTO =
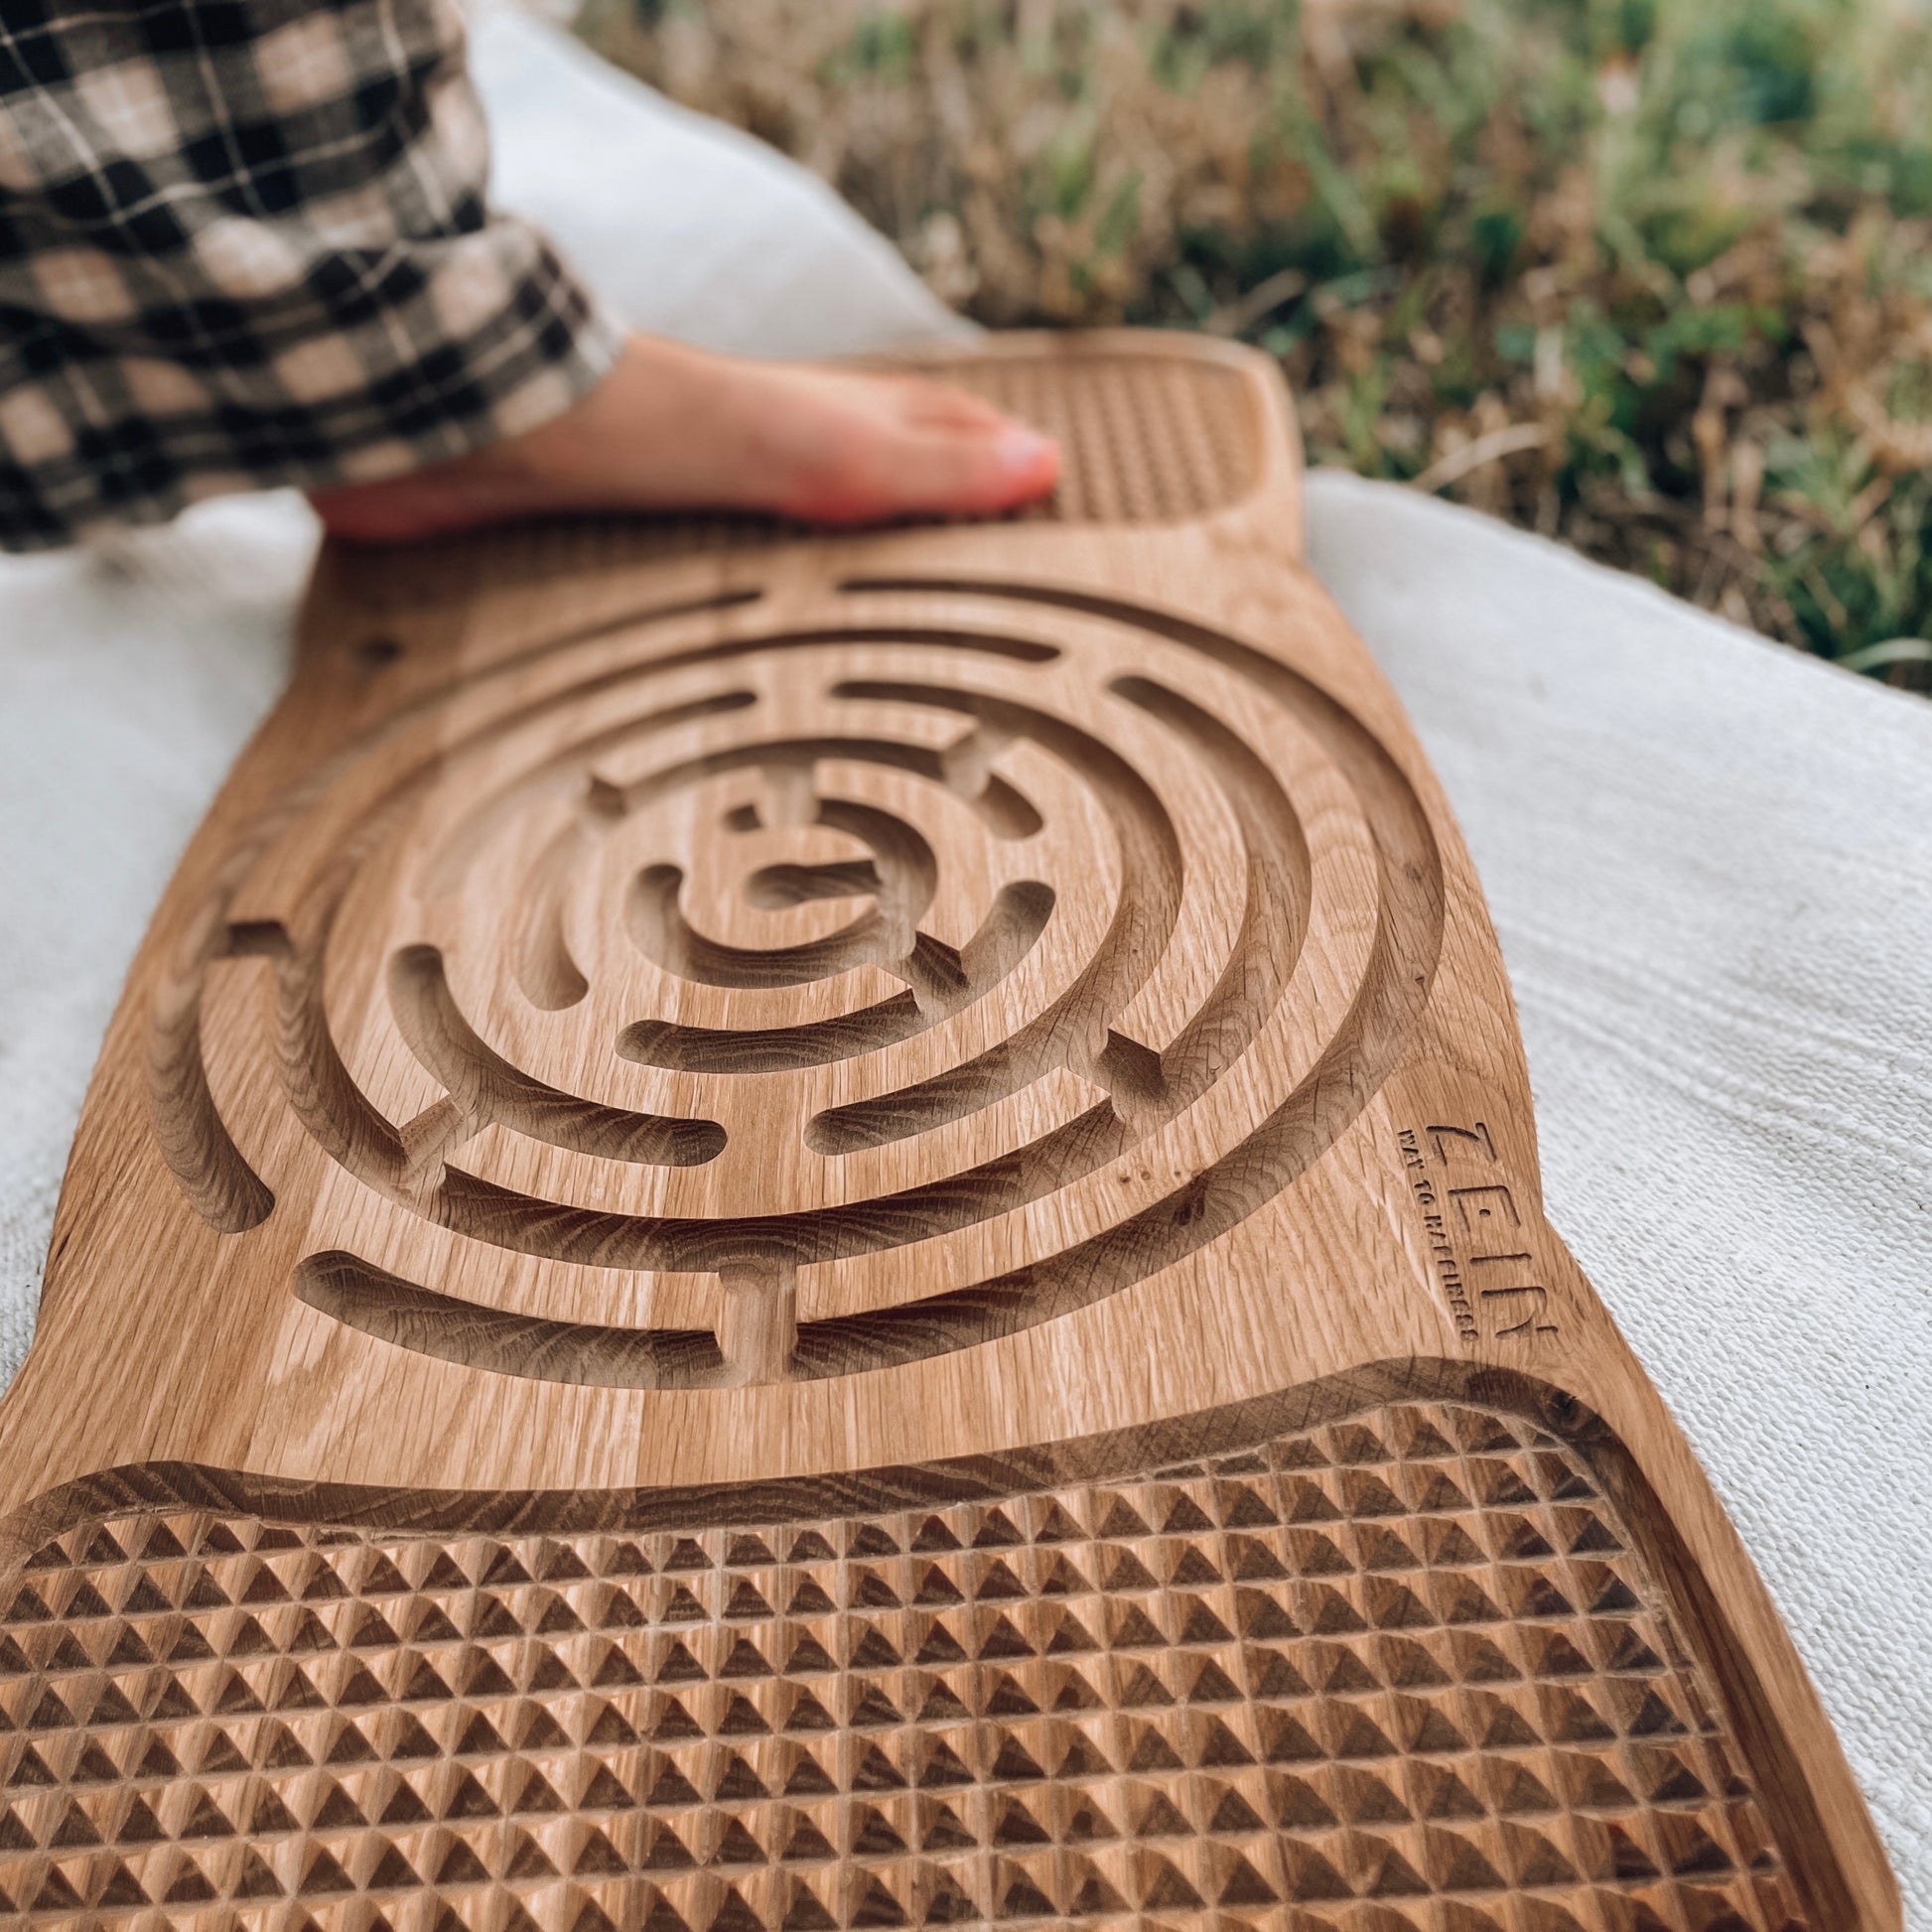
x=243, y=244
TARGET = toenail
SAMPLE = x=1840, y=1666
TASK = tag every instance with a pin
x=1020, y=449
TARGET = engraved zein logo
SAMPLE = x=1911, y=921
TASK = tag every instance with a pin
x=1490, y=1288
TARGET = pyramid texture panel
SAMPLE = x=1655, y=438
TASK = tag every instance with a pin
x=788, y=1232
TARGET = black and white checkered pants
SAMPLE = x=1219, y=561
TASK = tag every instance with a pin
x=244, y=244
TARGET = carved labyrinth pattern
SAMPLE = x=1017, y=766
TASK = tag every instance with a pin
x=1396, y=1674
x=653, y=1012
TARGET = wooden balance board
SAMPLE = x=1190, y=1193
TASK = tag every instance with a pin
x=786, y=1231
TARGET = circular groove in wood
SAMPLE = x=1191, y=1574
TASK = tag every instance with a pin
x=1403, y=1667
x=1027, y=1009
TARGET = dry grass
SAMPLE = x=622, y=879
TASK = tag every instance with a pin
x=1648, y=275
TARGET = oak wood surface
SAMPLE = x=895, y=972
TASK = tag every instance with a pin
x=924, y=1128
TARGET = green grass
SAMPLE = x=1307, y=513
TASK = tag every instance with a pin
x=1650, y=276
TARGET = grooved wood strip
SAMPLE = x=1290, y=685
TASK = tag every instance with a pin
x=1143, y=440
x=1139, y=444
x=830, y=1231
x=1401, y=1670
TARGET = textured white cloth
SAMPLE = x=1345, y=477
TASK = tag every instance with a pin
x=1709, y=860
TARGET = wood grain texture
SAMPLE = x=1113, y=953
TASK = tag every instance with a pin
x=786, y=1231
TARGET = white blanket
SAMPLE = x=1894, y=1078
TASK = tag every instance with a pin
x=1709, y=860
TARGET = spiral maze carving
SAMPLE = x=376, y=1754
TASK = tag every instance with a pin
x=825, y=998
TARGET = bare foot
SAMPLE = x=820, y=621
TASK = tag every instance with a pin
x=675, y=428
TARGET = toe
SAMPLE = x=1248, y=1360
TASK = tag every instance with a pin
x=930, y=452
x=977, y=470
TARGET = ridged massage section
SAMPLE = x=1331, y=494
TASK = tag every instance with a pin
x=1401, y=1672
x=1142, y=441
